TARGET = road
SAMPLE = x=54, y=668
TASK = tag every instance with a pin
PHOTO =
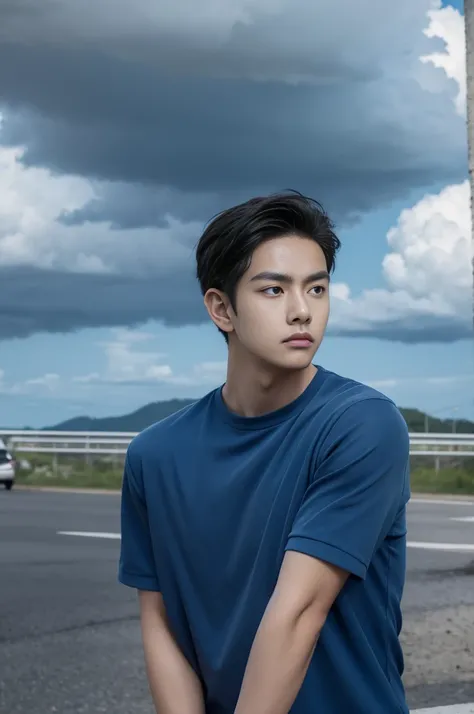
x=69, y=633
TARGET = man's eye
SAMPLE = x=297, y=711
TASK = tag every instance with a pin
x=319, y=289
x=274, y=290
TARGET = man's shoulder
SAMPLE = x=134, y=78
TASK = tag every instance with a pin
x=170, y=431
x=342, y=392
x=349, y=402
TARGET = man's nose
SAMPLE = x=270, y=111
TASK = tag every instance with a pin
x=299, y=311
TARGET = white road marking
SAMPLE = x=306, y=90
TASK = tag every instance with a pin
x=448, y=547
x=453, y=709
x=441, y=502
x=91, y=534
x=466, y=519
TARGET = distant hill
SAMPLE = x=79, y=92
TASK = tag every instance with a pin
x=418, y=421
x=151, y=413
x=136, y=421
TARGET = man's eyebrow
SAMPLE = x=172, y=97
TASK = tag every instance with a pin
x=285, y=278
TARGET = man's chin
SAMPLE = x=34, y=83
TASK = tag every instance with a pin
x=292, y=362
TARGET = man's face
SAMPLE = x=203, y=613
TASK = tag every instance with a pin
x=284, y=292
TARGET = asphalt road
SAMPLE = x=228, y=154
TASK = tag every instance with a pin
x=69, y=633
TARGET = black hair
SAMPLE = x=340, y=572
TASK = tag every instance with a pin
x=225, y=249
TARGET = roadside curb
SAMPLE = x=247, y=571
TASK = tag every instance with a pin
x=114, y=492
x=66, y=489
x=443, y=496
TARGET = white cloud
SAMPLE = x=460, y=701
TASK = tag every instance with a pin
x=211, y=370
x=447, y=396
x=31, y=202
x=383, y=383
x=431, y=247
x=428, y=270
x=127, y=363
x=46, y=384
x=87, y=378
x=340, y=291
x=421, y=382
x=49, y=381
x=447, y=24
x=449, y=381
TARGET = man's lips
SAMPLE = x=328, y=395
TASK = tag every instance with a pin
x=300, y=337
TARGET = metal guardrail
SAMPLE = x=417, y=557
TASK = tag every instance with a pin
x=441, y=444
x=67, y=442
x=116, y=443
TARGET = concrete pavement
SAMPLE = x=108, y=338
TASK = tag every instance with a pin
x=69, y=634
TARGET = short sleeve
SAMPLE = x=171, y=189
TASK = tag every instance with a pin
x=359, y=487
x=137, y=567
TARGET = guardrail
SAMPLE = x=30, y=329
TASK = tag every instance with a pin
x=116, y=443
x=100, y=443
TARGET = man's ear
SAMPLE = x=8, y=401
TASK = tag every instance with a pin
x=220, y=310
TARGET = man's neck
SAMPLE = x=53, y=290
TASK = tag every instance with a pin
x=255, y=390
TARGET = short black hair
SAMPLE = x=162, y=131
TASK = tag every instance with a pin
x=225, y=249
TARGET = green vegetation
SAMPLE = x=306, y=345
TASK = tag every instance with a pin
x=453, y=477
x=420, y=422
x=442, y=475
x=71, y=472
x=109, y=480
x=448, y=481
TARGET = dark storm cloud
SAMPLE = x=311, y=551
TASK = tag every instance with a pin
x=34, y=301
x=50, y=301
x=176, y=110
x=143, y=205
x=101, y=110
x=407, y=330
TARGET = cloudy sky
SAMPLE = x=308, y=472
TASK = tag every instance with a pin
x=123, y=130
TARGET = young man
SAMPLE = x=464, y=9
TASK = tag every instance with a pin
x=264, y=526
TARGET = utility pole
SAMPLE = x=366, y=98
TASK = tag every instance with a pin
x=454, y=420
x=469, y=37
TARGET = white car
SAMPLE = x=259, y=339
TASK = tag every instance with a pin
x=7, y=467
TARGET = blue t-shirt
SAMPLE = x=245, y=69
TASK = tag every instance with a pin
x=212, y=500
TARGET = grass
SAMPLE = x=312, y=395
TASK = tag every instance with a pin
x=111, y=480
x=71, y=472
x=447, y=481
x=105, y=473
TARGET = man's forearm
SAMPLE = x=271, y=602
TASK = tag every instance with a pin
x=174, y=686
x=278, y=662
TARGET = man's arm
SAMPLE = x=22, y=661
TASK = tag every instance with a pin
x=175, y=687
x=288, y=634
x=359, y=487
